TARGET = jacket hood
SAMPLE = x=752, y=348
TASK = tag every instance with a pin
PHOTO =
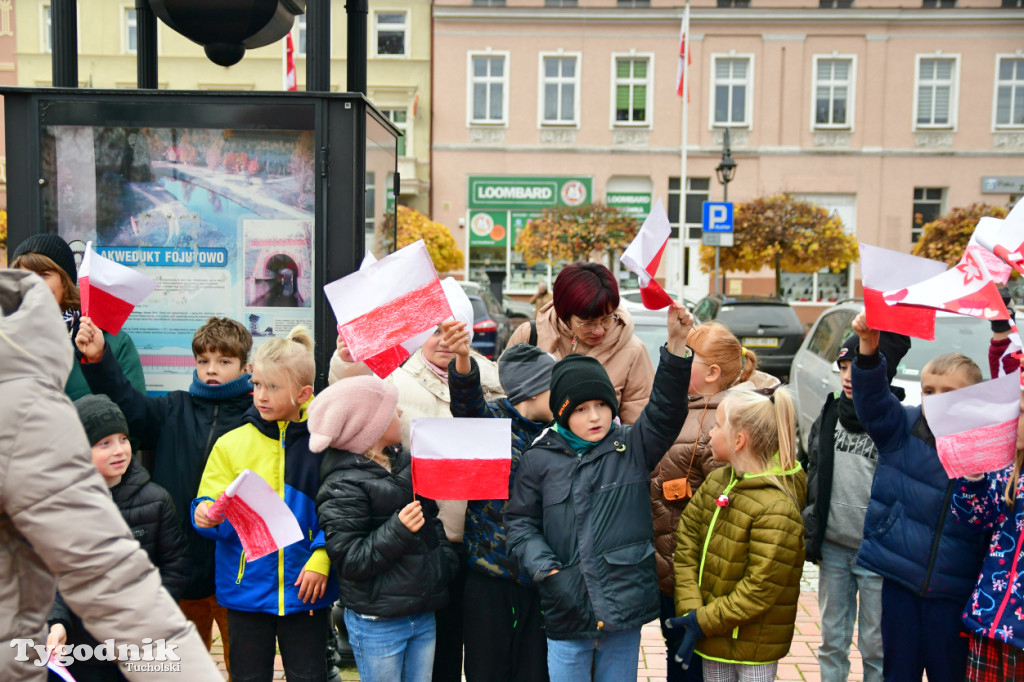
x=33, y=336
x=271, y=429
x=555, y=335
x=131, y=483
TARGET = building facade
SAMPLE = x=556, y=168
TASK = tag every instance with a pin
x=886, y=115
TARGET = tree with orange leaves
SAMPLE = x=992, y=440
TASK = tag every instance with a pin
x=572, y=234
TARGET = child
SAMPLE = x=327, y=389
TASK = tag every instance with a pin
x=994, y=504
x=260, y=596
x=148, y=511
x=579, y=521
x=841, y=463
x=389, y=549
x=928, y=562
x=506, y=641
x=181, y=428
x=740, y=545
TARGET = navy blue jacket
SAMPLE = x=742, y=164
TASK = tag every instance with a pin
x=910, y=534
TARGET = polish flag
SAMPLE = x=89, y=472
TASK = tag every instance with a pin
x=110, y=291
x=57, y=669
x=388, y=302
x=643, y=256
x=975, y=427
x=461, y=459
x=966, y=289
x=263, y=521
x=684, y=54
x=1004, y=237
x=290, y=82
x=883, y=269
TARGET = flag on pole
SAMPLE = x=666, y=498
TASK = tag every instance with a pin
x=110, y=291
x=685, y=57
x=966, y=289
x=388, y=302
x=975, y=428
x=290, y=80
x=461, y=459
x=263, y=521
x=643, y=256
x=881, y=270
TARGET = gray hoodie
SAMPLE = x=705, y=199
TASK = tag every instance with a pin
x=57, y=520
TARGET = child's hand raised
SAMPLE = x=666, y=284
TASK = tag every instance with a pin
x=203, y=520
x=411, y=516
x=89, y=340
x=312, y=585
x=868, y=336
x=680, y=322
x=456, y=337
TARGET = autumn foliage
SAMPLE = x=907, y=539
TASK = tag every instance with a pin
x=945, y=238
x=413, y=225
x=574, y=233
x=783, y=233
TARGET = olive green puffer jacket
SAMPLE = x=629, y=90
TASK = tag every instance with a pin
x=739, y=564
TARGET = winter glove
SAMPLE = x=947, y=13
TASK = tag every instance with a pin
x=690, y=637
x=1004, y=325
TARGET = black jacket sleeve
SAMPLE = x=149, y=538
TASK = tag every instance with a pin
x=467, y=394
x=524, y=520
x=172, y=550
x=662, y=419
x=60, y=613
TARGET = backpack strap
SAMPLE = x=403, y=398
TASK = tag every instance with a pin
x=533, y=332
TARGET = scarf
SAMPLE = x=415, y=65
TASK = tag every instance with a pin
x=579, y=445
x=71, y=320
x=232, y=389
x=848, y=415
x=441, y=372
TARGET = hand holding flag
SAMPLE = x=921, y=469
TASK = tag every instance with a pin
x=110, y=291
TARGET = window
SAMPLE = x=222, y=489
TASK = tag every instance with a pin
x=697, y=192
x=927, y=207
x=835, y=4
x=632, y=81
x=833, y=86
x=935, y=90
x=633, y=3
x=938, y=3
x=300, y=30
x=734, y=3
x=391, y=33
x=131, y=31
x=561, y=3
x=47, y=26
x=1010, y=92
x=371, y=203
x=400, y=118
x=487, y=83
x=731, y=83
x=1013, y=3
x=488, y=3
x=559, y=76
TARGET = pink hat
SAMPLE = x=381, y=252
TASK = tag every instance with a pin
x=351, y=414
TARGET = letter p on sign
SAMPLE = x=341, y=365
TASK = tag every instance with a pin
x=717, y=223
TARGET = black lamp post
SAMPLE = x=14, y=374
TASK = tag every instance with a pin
x=725, y=172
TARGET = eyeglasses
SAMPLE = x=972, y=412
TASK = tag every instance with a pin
x=605, y=322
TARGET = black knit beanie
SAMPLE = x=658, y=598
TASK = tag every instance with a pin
x=100, y=417
x=576, y=379
x=54, y=248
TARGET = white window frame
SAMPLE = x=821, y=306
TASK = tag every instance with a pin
x=851, y=91
x=301, y=35
x=490, y=54
x=954, y=91
x=391, y=28
x=45, y=30
x=542, y=82
x=996, y=126
x=406, y=127
x=126, y=25
x=649, y=83
x=748, y=121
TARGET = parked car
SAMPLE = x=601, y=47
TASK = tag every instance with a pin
x=491, y=325
x=631, y=301
x=767, y=325
x=814, y=373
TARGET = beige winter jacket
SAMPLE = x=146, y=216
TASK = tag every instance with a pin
x=57, y=520
x=621, y=353
x=421, y=393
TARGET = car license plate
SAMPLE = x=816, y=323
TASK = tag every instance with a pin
x=761, y=341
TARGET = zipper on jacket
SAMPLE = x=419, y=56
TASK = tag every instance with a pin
x=241, y=568
x=711, y=527
x=938, y=537
x=1011, y=579
x=213, y=427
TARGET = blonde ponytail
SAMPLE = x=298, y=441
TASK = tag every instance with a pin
x=769, y=422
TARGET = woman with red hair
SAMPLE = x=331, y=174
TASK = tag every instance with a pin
x=584, y=317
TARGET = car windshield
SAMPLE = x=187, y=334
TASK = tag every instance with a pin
x=955, y=334
x=746, y=316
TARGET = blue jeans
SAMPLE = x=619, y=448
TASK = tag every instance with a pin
x=840, y=579
x=614, y=658
x=392, y=649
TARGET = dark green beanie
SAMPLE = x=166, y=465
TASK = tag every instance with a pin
x=576, y=379
x=100, y=417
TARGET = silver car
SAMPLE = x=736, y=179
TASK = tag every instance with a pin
x=814, y=373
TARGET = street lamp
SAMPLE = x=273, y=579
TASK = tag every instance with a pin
x=725, y=172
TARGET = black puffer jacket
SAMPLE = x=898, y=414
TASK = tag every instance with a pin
x=589, y=516
x=383, y=569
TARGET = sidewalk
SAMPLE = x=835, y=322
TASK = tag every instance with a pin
x=800, y=665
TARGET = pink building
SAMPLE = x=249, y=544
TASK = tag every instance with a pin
x=873, y=108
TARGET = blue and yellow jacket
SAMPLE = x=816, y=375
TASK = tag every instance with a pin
x=279, y=453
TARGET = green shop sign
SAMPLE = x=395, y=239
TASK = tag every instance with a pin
x=525, y=192
x=488, y=228
x=634, y=204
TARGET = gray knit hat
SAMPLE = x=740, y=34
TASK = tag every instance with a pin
x=100, y=417
x=525, y=372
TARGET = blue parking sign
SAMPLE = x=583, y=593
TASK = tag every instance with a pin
x=717, y=216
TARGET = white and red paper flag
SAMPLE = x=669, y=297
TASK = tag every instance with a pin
x=966, y=289
x=59, y=670
x=461, y=459
x=643, y=256
x=263, y=521
x=1004, y=237
x=975, y=428
x=388, y=302
x=110, y=291
x=685, y=57
x=882, y=270
x=290, y=81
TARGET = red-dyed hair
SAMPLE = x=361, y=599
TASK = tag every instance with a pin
x=586, y=290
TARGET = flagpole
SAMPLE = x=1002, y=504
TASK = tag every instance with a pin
x=682, y=164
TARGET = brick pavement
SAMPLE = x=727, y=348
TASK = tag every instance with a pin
x=800, y=665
